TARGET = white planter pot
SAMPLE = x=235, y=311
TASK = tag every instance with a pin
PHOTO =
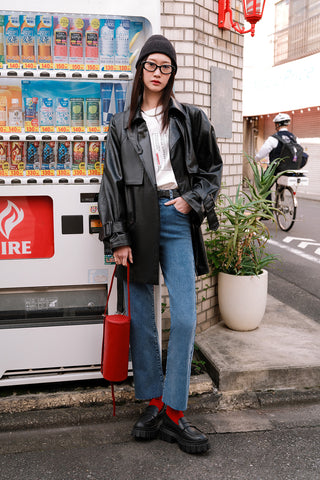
x=242, y=300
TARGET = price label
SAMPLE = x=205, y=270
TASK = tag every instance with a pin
x=93, y=129
x=78, y=173
x=76, y=66
x=94, y=68
x=31, y=128
x=4, y=129
x=94, y=172
x=14, y=129
x=108, y=68
x=47, y=173
x=77, y=129
x=16, y=173
x=46, y=66
x=31, y=65
x=13, y=65
x=106, y=128
x=33, y=173
x=123, y=68
x=4, y=173
x=62, y=129
x=63, y=173
x=48, y=128
x=61, y=66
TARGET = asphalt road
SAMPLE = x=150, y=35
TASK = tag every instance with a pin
x=272, y=443
x=295, y=279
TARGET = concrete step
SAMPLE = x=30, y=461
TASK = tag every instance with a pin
x=283, y=353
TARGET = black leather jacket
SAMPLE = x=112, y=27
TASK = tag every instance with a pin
x=128, y=201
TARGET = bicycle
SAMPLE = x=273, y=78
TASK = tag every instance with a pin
x=285, y=198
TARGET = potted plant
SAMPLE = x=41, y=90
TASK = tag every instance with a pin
x=237, y=250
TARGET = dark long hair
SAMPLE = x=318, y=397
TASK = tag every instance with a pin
x=137, y=96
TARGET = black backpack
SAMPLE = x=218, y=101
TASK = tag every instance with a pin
x=292, y=154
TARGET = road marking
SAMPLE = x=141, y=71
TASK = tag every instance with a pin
x=305, y=244
x=295, y=251
x=289, y=239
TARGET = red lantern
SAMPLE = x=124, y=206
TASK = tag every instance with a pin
x=252, y=10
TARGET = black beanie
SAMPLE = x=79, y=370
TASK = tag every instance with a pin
x=158, y=44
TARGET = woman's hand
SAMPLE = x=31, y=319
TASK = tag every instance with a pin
x=180, y=204
x=122, y=255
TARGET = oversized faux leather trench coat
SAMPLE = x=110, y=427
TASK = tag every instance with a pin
x=128, y=201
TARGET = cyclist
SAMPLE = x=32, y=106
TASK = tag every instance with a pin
x=272, y=146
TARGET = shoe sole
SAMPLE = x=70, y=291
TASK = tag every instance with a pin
x=145, y=434
x=188, y=447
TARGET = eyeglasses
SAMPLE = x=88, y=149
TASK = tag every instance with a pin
x=152, y=67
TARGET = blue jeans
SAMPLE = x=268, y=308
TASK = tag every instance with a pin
x=177, y=264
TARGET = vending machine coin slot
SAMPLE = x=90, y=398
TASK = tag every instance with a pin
x=72, y=224
x=95, y=224
x=89, y=197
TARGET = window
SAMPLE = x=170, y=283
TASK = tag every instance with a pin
x=297, y=30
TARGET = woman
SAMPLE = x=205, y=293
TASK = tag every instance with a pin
x=161, y=177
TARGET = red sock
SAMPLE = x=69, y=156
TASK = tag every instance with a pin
x=174, y=415
x=157, y=402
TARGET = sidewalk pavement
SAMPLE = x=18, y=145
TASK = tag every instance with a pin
x=279, y=363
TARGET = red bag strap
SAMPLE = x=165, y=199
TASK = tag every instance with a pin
x=111, y=283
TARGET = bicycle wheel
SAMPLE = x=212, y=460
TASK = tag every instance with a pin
x=287, y=209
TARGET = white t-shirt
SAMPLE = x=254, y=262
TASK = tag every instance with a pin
x=165, y=177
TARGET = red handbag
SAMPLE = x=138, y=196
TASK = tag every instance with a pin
x=115, y=343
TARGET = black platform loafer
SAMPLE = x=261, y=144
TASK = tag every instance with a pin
x=147, y=427
x=189, y=438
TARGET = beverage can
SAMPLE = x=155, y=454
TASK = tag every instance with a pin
x=63, y=155
x=76, y=40
x=27, y=34
x=31, y=114
x=16, y=155
x=15, y=113
x=2, y=59
x=32, y=155
x=60, y=39
x=4, y=164
x=46, y=112
x=77, y=112
x=107, y=43
x=47, y=156
x=93, y=155
x=3, y=110
x=106, y=93
x=44, y=38
x=62, y=112
x=92, y=27
x=122, y=28
x=78, y=155
x=120, y=96
x=93, y=112
x=12, y=38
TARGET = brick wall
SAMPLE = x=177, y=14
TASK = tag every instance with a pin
x=192, y=26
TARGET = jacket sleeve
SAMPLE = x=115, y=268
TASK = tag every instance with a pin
x=206, y=171
x=111, y=202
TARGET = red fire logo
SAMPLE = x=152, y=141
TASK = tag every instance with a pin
x=10, y=217
x=26, y=227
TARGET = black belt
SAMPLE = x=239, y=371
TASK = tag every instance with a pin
x=174, y=193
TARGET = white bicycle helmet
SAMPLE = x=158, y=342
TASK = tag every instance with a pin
x=282, y=119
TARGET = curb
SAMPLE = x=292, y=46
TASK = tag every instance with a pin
x=94, y=405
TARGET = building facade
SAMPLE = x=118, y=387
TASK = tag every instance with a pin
x=281, y=72
x=210, y=62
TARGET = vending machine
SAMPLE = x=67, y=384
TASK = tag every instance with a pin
x=63, y=73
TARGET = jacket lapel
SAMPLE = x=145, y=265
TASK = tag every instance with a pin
x=139, y=137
